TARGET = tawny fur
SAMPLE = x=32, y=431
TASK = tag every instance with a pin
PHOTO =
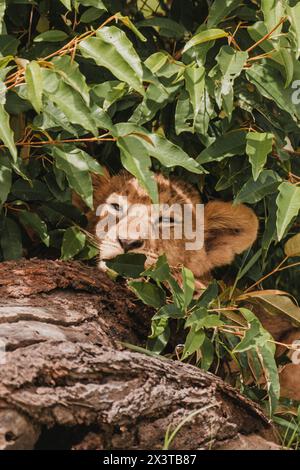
x=228, y=230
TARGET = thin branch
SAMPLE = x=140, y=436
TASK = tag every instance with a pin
x=37, y=143
x=267, y=36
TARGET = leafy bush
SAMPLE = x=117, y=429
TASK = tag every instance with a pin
x=206, y=89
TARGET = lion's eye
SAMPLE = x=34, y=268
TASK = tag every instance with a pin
x=166, y=220
x=116, y=207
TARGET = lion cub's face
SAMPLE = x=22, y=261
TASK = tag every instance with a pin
x=136, y=226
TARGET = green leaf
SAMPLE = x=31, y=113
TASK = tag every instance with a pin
x=128, y=265
x=33, y=221
x=259, y=145
x=270, y=233
x=2, y=12
x=196, y=317
x=188, y=286
x=269, y=83
x=294, y=15
x=67, y=4
x=160, y=272
x=285, y=56
x=167, y=27
x=288, y=204
x=219, y=10
x=127, y=22
x=169, y=311
x=273, y=11
x=93, y=3
x=110, y=92
x=5, y=183
x=53, y=117
x=207, y=353
x=171, y=155
x=71, y=103
x=89, y=252
x=193, y=342
x=113, y=50
x=157, y=96
x=272, y=376
x=292, y=246
x=204, y=36
x=194, y=82
x=91, y=14
x=254, y=191
x=11, y=240
x=230, y=66
x=209, y=295
x=69, y=71
x=149, y=293
x=73, y=242
x=160, y=336
x=228, y=145
x=34, y=80
x=74, y=164
x=261, y=341
x=8, y=45
x=6, y=134
x=138, y=163
x=54, y=35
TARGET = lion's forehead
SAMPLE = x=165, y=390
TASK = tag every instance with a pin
x=170, y=191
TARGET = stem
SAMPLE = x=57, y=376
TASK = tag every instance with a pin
x=37, y=143
x=267, y=35
x=268, y=275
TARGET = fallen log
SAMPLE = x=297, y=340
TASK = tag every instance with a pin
x=68, y=382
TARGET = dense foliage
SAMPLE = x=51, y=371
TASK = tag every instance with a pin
x=206, y=89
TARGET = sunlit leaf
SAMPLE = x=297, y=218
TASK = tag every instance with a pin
x=288, y=204
x=34, y=80
x=294, y=13
x=113, y=50
x=259, y=145
x=70, y=73
x=138, y=163
x=273, y=11
x=205, y=36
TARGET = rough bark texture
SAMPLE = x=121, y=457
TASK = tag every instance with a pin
x=67, y=382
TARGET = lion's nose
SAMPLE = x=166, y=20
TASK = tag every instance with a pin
x=129, y=245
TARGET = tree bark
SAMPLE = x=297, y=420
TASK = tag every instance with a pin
x=68, y=381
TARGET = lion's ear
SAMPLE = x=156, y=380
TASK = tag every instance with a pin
x=228, y=231
x=100, y=183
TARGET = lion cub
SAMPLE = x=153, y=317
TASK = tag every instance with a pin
x=227, y=230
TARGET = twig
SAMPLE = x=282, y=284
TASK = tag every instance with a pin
x=267, y=35
x=37, y=143
x=268, y=275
